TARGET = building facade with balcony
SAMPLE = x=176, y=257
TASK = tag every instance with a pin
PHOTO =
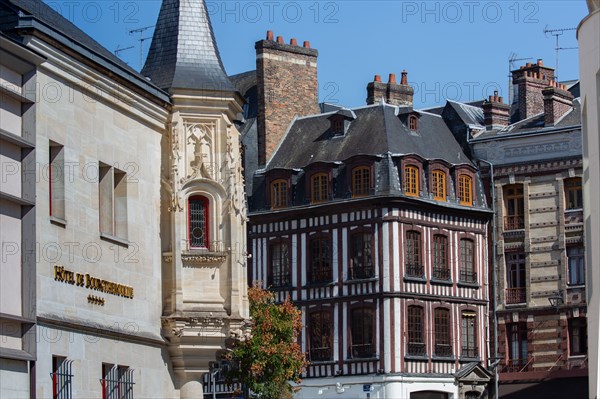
x=377, y=233
x=535, y=149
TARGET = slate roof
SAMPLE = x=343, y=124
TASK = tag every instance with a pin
x=27, y=14
x=377, y=130
x=536, y=124
x=184, y=53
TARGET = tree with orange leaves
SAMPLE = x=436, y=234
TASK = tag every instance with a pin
x=269, y=356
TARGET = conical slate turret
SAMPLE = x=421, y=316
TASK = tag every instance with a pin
x=184, y=53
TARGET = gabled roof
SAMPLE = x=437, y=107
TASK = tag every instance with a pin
x=184, y=53
x=377, y=130
x=473, y=371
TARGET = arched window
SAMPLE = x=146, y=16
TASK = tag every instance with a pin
x=411, y=180
x=443, y=342
x=413, y=123
x=279, y=271
x=441, y=270
x=361, y=181
x=416, y=331
x=320, y=336
x=320, y=260
x=319, y=187
x=198, y=227
x=469, y=334
x=414, y=267
x=362, y=333
x=465, y=190
x=467, y=261
x=279, y=194
x=438, y=185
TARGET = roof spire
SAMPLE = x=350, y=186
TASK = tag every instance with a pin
x=184, y=53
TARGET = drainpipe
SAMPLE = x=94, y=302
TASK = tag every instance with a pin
x=494, y=285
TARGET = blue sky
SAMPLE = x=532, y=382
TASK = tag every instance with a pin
x=451, y=49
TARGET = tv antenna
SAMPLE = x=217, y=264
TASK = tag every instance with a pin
x=512, y=58
x=141, y=39
x=557, y=33
x=118, y=50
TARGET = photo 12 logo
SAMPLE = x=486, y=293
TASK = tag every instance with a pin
x=273, y=11
x=453, y=12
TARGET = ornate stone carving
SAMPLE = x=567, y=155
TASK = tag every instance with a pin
x=206, y=258
x=199, y=149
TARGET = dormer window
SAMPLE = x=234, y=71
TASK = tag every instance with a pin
x=465, y=190
x=340, y=122
x=337, y=126
x=413, y=123
x=361, y=181
x=279, y=194
x=319, y=188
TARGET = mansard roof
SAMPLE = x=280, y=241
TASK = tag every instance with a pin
x=184, y=53
x=377, y=130
x=17, y=15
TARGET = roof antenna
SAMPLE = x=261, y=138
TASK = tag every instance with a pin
x=557, y=33
x=118, y=50
x=141, y=39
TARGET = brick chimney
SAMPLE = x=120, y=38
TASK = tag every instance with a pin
x=496, y=114
x=557, y=102
x=529, y=81
x=392, y=92
x=286, y=76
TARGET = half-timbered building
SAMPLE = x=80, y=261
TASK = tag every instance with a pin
x=373, y=221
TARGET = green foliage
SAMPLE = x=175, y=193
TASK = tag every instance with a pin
x=269, y=357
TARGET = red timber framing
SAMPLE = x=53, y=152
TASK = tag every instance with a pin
x=383, y=293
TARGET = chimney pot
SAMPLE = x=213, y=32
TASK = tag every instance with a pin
x=404, y=78
x=280, y=39
x=392, y=78
x=528, y=64
x=306, y=44
x=270, y=35
x=540, y=62
x=500, y=100
x=377, y=78
x=294, y=42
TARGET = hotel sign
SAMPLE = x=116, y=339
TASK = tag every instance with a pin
x=93, y=283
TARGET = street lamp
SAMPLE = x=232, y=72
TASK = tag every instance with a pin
x=556, y=300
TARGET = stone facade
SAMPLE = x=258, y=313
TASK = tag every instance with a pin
x=541, y=309
x=287, y=86
x=126, y=302
x=18, y=74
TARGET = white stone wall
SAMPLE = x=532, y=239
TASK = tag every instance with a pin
x=14, y=377
x=589, y=64
x=97, y=121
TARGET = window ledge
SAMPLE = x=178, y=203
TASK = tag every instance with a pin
x=441, y=282
x=318, y=285
x=422, y=280
x=115, y=240
x=468, y=285
x=361, y=280
x=469, y=359
x=423, y=357
x=573, y=210
x=574, y=286
x=58, y=221
x=281, y=288
x=443, y=358
x=322, y=362
x=362, y=359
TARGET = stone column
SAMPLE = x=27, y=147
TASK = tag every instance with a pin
x=190, y=385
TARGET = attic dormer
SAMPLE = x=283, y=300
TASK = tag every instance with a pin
x=340, y=122
x=410, y=119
